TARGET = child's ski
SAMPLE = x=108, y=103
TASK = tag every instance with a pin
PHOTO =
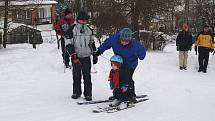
x=103, y=101
x=130, y=106
x=93, y=102
x=105, y=109
x=116, y=109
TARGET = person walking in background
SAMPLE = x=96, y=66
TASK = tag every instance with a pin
x=204, y=45
x=61, y=28
x=184, y=43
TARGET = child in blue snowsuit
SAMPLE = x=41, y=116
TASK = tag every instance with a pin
x=118, y=83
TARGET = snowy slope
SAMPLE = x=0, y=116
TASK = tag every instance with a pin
x=34, y=87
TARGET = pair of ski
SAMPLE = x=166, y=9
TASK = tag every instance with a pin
x=104, y=101
x=117, y=108
x=140, y=98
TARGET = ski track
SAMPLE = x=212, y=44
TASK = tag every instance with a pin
x=34, y=87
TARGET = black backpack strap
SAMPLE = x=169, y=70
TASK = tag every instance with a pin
x=90, y=29
x=69, y=32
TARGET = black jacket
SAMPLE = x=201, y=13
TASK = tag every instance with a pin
x=184, y=41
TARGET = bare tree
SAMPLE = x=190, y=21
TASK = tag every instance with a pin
x=201, y=13
x=136, y=14
x=5, y=23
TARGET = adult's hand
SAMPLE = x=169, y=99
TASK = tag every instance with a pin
x=98, y=53
x=95, y=59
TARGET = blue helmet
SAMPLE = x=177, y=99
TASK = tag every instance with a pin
x=126, y=33
x=116, y=58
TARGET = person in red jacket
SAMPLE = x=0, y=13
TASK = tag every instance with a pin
x=118, y=83
x=62, y=28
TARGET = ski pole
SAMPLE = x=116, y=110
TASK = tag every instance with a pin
x=94, y=68
x=64, y=56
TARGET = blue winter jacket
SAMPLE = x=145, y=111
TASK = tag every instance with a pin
x=130, y=54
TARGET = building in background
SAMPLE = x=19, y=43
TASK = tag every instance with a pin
x=32, y=12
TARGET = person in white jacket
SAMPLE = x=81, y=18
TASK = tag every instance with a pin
x=80, y=48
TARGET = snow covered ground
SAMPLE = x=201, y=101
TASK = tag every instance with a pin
x=34, y=87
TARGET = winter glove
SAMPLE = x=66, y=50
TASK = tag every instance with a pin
x=177, y=48
x=95, y=59
x=75, y=59
x=195, y=48
x=124, y=88
x=98, y=53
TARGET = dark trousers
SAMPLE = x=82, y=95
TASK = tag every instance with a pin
x=65, y=54
x=203, y=57
x=131, y=88
x=79, y=70
x=117, y=93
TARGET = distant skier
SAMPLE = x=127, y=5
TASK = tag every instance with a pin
x=130, y=50
x=118, y=83
x=62, y=29
x=184, y=43
x=204, y=45
x=80, y=48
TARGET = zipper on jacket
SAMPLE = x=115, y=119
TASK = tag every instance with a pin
x=85, y=42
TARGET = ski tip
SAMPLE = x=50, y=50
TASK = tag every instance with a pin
x=144, y=99
x=80, y=103
x=141, y=96
x=96, y=111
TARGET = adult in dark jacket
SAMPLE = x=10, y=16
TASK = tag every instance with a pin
x=130, y=50
x=184, y=43
x=62, y=28
x=205, y=44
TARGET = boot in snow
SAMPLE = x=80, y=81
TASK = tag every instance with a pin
x=115, y=103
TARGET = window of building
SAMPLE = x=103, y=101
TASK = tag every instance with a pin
x=28, y=14
x=19, y=14
x=41, y=12
x=44, y=15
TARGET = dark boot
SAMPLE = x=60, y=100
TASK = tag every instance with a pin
x=204, y=70
x=75, y=96
x=88, y=98
x=111, y=98
x=133, y=100
x=68, y=66
x=200, y=70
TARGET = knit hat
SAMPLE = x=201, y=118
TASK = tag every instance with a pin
x=83, y=16
x=67, y=11
x=126, y=34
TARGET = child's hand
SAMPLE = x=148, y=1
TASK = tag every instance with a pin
x=111, y=85
x=124, y=88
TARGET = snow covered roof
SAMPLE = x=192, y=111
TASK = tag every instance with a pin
x=12, y=26
x=30, y=2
